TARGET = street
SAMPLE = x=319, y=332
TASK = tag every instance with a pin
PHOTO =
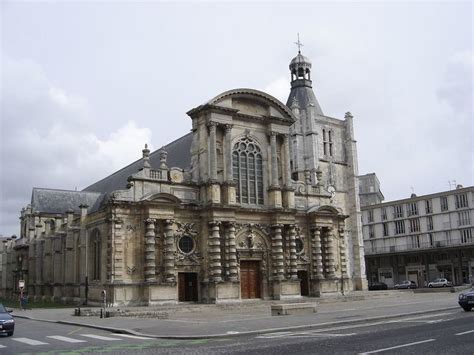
x=446, y=332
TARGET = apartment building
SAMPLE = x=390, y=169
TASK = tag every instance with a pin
x=421, y=238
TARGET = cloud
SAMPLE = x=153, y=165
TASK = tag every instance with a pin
x=47, y=140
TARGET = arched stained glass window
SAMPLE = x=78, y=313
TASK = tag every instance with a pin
x=248, y=172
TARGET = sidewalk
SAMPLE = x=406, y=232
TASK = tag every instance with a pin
x=190, y=321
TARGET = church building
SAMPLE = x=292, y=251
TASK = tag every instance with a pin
x=259, y=201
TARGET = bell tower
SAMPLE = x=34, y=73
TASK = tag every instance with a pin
x=305, y=107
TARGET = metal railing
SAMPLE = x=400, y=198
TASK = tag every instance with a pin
x=419, y=246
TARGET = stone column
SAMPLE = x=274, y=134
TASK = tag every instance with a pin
x=273, y=159
x=330, y=262
x=293, y=258
x=214, y=243
x=287, y=166
x=316, y=252
x=169, y=252
x=212, y=151
x=118, y=262
x=342, y=253
x=277, y=253
x=228, y=153
x=150, y=264
x=232, y=256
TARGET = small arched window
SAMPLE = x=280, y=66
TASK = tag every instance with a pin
x=247, y=171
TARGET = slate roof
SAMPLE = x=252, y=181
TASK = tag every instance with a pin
x=60, y=201
x=179, y=156
x=305, y=97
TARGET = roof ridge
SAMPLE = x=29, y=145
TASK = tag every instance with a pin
x=64, y=190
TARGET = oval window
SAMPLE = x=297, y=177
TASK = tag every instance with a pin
x=186, y=244
x=299, y=245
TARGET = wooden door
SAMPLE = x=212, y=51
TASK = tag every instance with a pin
x=250, y=279
x=187, y=287
x=182, y=286
x=303, y=276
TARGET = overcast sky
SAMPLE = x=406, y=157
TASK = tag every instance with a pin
x=84, y=85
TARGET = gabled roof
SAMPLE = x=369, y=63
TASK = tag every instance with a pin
x=60, y=201
x=179, y=156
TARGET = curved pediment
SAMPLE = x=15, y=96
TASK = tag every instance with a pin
x=244, y=99
x=162, y=197
x=249, y=102
x=324, y=209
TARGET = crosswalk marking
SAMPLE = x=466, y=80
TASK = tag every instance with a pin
x=133, y=336
x=100, y=337
x=2, y=346
x=29, y=341
x=67, y=339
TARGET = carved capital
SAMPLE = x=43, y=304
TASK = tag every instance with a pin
x=228, y=128
x=150, y=220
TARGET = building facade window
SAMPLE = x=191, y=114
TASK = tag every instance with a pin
x=414, y=225
x=415, y=241
x=247, y=171
x=444, y=203
x=186, y=244
x=461, y=201
x=429, y=223
x=398, y=211
x=412, y=209
x=464, y=218
x=385, y=229
x=370, y=216
x=428, y=206
x=399, y=227
x=384, y=214
x=466, y=236
x=328, y=142
x=430, y=239
x=371, y=231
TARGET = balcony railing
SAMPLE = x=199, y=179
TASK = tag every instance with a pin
x=421, y=246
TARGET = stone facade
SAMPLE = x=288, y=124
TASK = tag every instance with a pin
x=268, y=207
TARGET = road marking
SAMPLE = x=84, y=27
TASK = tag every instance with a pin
x=2, y=346
x=69, y=340
x=307, y=334
x=469, y=331
x=29, y=341
x=74, y=331
x=100, y=337
x=133, y=336
x=397, y=347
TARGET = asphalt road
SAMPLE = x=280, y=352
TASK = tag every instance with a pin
x=449, y=332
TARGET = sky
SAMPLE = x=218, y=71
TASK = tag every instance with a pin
x=85, y=84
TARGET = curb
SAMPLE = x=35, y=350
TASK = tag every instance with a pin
x=236, y=334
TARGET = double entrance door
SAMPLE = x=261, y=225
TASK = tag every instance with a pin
x=187, y=287
x=249, y=279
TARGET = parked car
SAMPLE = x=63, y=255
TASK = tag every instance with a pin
x=440, y=283
x=7, y=323
x=405, y=284
x=466, y=300
x=378, y=286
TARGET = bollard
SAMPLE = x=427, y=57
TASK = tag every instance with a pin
x=101, y=313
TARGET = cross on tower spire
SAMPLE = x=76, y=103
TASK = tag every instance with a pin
x=299, y=44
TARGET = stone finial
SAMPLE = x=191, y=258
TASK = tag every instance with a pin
x=163, y=157
x=146, y=157
x=348, y=115
x=319, y=174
